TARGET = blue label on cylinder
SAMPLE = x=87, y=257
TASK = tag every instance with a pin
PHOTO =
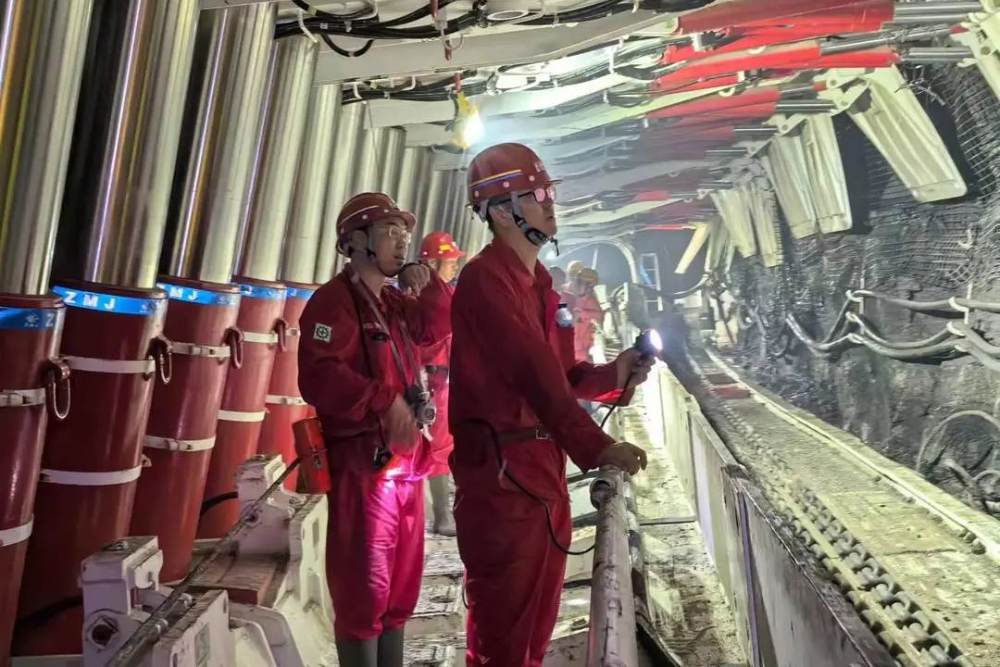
x=300, y=293
x=109, y=303
x=30, y=318
x=258, y=292
x=200, y=296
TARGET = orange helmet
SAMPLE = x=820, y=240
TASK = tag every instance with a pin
x=440, y=245
x=364, y=210
x=502, y=169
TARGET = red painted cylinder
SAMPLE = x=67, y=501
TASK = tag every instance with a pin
x=242, y=413
x=284, y=402
x=112, y=342
x=310, y=447
x=180, y=434
x=30, y=327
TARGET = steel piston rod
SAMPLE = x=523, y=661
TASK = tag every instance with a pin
x=612, y=637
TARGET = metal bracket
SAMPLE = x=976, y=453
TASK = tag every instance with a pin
x=983, y=38
x=893, y=120
x=808, y=177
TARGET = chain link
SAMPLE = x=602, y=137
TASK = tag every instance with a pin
x=912, y=635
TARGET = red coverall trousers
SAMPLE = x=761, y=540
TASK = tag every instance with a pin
x=513, y=371
x=375, y=537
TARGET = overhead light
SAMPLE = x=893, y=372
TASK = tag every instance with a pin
x=468, y=125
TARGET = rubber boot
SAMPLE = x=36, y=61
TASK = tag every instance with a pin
x=390, y=648
x=359, y=653
x=444, y=522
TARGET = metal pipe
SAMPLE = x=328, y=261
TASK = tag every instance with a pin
x=804, y=106
x=436, y=192
x=725, y=152
x=612, y=636
x=391, y=160
x=932, y=7
x=42, y=49
x=877, y=39
x=232, y=51
x=256, y=162
x=285, y=126
x=343, y=165
x=406, y=191
x=306, y=219
x=942, y=17
x=368, y=177
x=423, y=180
x=125, y=141
x=754, y=130
x=941, y=54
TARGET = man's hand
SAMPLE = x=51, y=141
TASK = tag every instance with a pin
x=401, y=426
x=624, y=456
x=415, y=277
x=631, y=363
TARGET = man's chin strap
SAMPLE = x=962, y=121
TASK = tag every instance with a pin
x=373, y=258
x=533, y=234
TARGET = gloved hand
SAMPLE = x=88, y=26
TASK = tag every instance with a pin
x=401, y=426
x=632, y=363
x=624, y=456
x=414, y=277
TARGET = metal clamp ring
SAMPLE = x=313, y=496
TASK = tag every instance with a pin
x=219, y=352
x=21, y=398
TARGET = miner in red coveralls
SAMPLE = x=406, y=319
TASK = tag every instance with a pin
x=359, y=366
x=441, y=253
x=515, y=417
x=587, y=312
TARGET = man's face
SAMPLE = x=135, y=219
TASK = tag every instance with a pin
x=390, y=241
x=447, y=269
x=538, y=209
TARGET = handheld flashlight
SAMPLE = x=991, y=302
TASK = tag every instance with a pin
x=649, y=343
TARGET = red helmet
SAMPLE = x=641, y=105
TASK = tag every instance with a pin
x=502, y=169
x=440, y=245
x=365, y=209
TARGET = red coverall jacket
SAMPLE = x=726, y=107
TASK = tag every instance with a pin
x=513, y=368
x=435, y=359
x=347, y=372
x=587, y=314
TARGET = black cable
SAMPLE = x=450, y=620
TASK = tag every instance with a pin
x=513, y=480
x=41, y=616
x=344, y=52
x=217, y=500
x=620, y=401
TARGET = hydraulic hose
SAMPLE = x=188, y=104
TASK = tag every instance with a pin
x=865, y=329
x=924, y=352
x=930, y=306
x=825, y=347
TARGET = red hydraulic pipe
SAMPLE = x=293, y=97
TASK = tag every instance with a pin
x=285, y=405
x=243, y=400
x=747, y=12
x=181, y=430
x=31, y=377
x=727, y=116
x=112, y=342
x=668, y=88
x=716, y=103
x=784, y=58
x=754, y=38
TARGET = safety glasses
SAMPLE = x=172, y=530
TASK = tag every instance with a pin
x=395, y=233
x=542, y=195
